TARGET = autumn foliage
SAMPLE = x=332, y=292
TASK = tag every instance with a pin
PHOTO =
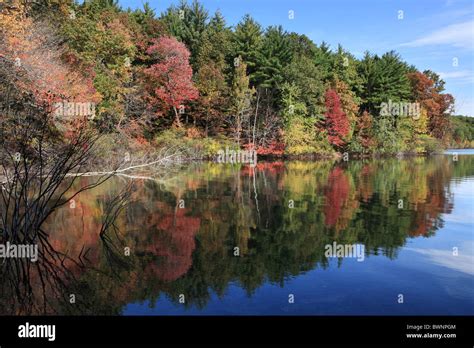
x=337, y=123
x=336, y=195
x=43, y=64
x=438, y=105
x=244, y=84
x=169, y=80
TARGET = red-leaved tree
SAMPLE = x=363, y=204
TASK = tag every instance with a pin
x=337, y=195
x=169, y=80
x=337, y=123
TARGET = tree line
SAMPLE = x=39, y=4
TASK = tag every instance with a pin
x=462, y=132
x=187, y=74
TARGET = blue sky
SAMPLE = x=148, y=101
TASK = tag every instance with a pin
x=433, y=34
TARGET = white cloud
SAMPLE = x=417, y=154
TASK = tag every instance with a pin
x=463, y=262
x=458, y=35
x=456, y=74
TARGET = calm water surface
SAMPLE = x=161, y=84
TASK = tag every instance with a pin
x=415, y=217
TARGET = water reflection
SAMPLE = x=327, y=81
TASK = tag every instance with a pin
x=182, y=233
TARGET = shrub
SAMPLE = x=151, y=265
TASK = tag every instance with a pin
x=302, y=138
x=429, y=144
x=197, y=147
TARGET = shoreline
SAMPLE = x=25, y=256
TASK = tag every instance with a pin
x=320, y=157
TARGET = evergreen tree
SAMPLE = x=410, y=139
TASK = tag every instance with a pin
x=187, y=23
x=247, y=41
x=301, y=45
x=324, y=61
x=274, y=55
x=384, y=79
x=216, y=45
x=344, y=68
x=308, y=77
x=142, y=16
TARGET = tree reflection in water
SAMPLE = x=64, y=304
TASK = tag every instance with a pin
x=182, y=234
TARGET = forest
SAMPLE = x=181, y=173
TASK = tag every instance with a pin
x=99, y=105
x=186, y=77
x=462, y=128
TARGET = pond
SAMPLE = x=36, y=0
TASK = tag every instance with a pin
x=220, y=239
